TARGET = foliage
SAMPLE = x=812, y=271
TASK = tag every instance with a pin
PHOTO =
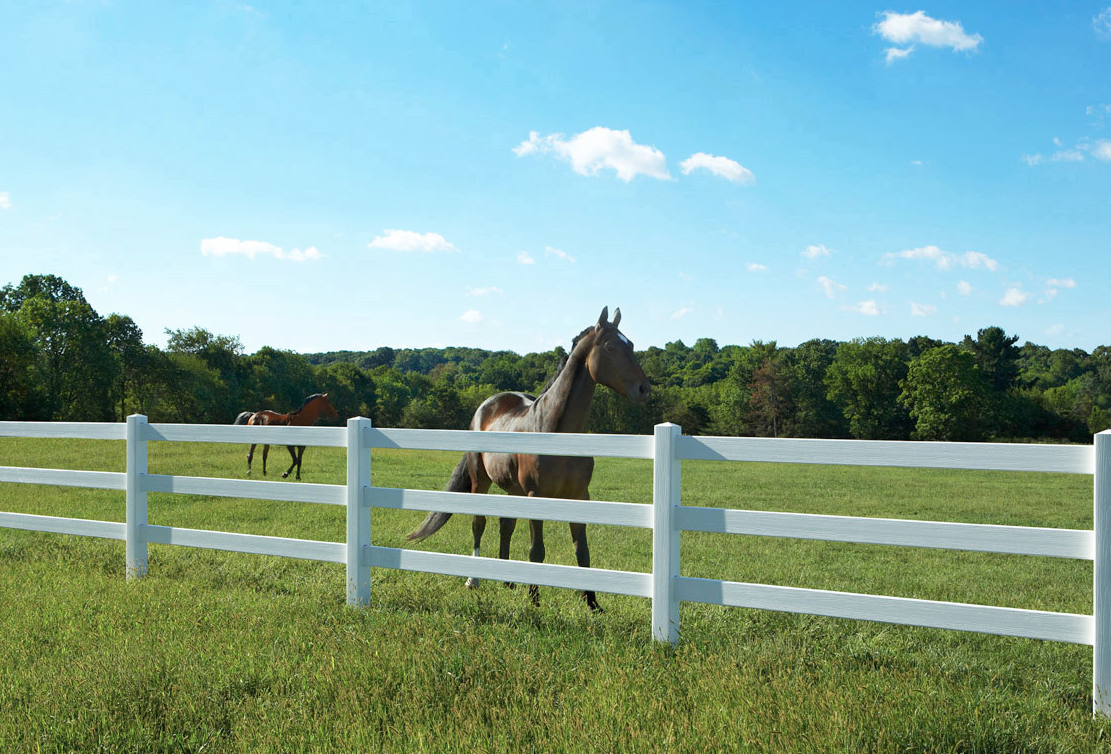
x=59, y=359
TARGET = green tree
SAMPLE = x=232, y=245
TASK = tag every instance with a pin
x=19, y=395
x=863, y=380
x=945, y=393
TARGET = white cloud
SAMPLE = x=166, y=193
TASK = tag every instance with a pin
x=897, y=53
x=813, y=251
x=755, y=267
x=1014, y=297
x=599, y=148
x=831, y=287
x=916, y=163
x=874, y=287
x=1032, y=159
x=478, y=292
x=525, y=258
x=559, y=254
x=907, y=30
x=1102, y=23
x=868, y=308
x=682, y=312
x=1053, y=285
x=964, y=288
x=921, y=310
x=1068, y=155
x=221, y=246
x=5, y=200
x=472, y=317
x=409, y=241
x=944, y=259
x=1102, y=150
x=724, y=167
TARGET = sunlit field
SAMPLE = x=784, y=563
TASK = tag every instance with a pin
x=221, y=652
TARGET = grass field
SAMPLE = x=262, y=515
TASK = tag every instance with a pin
x=225, y=652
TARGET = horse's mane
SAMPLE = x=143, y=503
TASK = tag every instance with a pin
x=308, y=400
x=563, y=360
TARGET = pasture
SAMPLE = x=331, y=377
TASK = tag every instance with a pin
x=231, y=652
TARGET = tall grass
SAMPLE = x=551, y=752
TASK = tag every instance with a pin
x=230, y=652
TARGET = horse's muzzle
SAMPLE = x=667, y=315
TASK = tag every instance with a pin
x=640, y=392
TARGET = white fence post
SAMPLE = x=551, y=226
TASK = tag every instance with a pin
x=1101, y=592
x=136, y=506
x=358, y=512
x=665, y=536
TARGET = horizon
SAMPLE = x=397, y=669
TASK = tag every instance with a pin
x=493, y=175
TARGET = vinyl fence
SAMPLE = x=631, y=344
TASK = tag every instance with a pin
x=667, y=517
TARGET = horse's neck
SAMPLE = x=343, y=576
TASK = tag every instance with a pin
x=565, y=406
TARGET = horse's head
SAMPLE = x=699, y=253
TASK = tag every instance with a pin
x=611, y=360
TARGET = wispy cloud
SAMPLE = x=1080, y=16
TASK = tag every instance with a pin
x=756, y=267
x=1014, y=296
x=908, y=30
x=731, y=170
x=831, y=287
x=813, y=251
x=472, y=317
x=1101, y=22
x=552, y=251
x=221, y=246
x=878, y=287
x=682, y=312
x=5, y=200
x=868, y=308
x=922, y=310
x=488, y=290
x=964, y=288
x=944, y=260
x=411, y=241
x=525, y=258
x=1053, y=285
x=597, y=149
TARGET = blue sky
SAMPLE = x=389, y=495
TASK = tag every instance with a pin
x=328, y=176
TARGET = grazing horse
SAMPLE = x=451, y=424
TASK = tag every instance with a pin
x=600, y=354
x=313, y=408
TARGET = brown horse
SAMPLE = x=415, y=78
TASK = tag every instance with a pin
x=600, y=354
x=314, y=407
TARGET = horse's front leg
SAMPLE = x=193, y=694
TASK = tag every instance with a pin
x=250, y=456
x=265, y=453
x=535, y=555
x=582, y=557
x=293, y=454
x=506, y=533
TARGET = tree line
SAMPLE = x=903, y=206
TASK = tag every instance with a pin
x=62, y=361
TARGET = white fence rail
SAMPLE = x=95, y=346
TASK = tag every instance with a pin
x=667, y=517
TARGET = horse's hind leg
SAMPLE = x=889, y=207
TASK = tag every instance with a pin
x=265, y=452
x=506, y=536
x=582, y=557
x=480, y=484
x=478, y=526
x=250, y=456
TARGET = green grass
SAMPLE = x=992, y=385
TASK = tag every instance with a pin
x=225, y=652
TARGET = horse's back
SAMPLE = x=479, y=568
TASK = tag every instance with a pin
x=244, y=417
x=521, y=473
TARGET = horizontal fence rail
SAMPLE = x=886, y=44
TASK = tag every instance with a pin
x=1015, y=540
x=666, y=517
x=1065, y=459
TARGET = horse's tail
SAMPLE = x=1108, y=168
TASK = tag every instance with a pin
x=460, y=482
x=244, y=417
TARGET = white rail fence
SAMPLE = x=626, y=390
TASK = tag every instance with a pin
x=667, y=517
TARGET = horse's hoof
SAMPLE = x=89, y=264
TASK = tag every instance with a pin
x=509, y=585
x=472, y=583
x=285, y=475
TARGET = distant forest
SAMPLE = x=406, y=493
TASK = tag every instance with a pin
x=62, y=361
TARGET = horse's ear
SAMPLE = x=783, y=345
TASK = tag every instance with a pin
x=616, y=316
x=604, y=315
